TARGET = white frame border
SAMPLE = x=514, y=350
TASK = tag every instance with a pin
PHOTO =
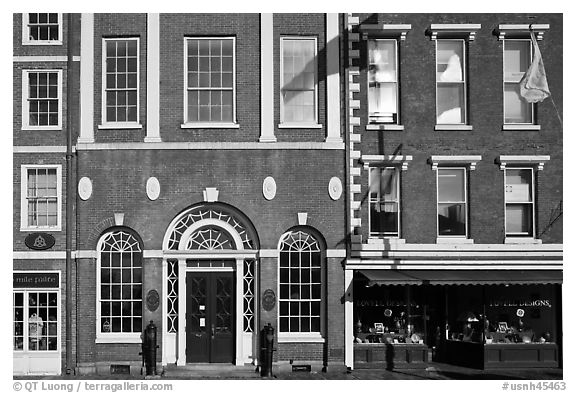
x=25, y=126
x=105, y=124
x=24, y=195
x=395, y=40
x=27, y=41
x=514, y=236
x=397, y=170
x=465, y=170
x=532, y=122
x=315, y=123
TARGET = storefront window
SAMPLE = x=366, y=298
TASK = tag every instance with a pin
x=35, y=321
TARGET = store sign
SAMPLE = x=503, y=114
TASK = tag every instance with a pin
x=39, y=241
x=383, y=303
x=36, y=280
x=521, y=303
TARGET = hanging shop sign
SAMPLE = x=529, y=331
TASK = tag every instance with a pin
x=39, y=241
x=268, y=300
x=36, y=280
x=152, y=300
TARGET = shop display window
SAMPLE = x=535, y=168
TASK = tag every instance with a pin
x=35, y=321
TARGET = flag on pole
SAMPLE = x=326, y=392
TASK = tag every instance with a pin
x=534, y=86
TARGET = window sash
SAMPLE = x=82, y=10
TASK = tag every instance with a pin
x=298, y=80
x=42, y=28
x=121, y=80
x=452, y=202
x=451, y=82
x=42, y=99
x=210, y=80
x=519, y=202
x=41, y=197
x=384, y=201
x=382, y=81
x=517, y=56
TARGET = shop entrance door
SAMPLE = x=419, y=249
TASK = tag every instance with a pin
x=210, y=305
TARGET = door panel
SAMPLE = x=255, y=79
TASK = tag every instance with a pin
x=210, y=307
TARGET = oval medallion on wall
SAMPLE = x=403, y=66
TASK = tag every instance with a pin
x=268, y=300
x=39, y=241
x=85, y=188
x=153, y=188
x=269, y=188
x=335, y=188
x=152, y=300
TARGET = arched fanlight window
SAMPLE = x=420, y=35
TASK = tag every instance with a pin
x=120, y=284
x=211, y=238
x=301, y=283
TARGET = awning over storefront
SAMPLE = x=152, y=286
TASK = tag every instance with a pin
x=462, y=277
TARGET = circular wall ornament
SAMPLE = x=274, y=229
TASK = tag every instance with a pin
x=85, y=188
x=152, y=300
x=268, y=300
x=269, y=188
x=335, y=188
x=153, y=188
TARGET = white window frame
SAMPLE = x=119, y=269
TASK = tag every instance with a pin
x=120, y=124
x=25, y=97
x=209, y=124
x=377, y=200
x=115, y=337
x=504, y=83
x=464, y=80
x=396, y=82
x=309, y=124
x=24, y=198
x=26, y=32
x=303, y=336
x=519, y=235
x=465, y=202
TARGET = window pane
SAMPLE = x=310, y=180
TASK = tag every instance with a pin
x=384, y=218
x=451, y=219
x=382, y=59
x=450, y=105
x=382, y=101
x=518, y=185
x=451, y=186
x=516, y=59
x=516, y=108
x=519, y=219
x=449, y=63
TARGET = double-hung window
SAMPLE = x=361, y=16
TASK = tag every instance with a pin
x=41, y=194
x=301, y=285
x=121, y=74
x=517, y=58
x=42, y=99
x=210, y=81
x=119, y=292
x=450, y=81
x=384, y=185
x=42, y=29
x=519, y=196
x=382, y=81
x=298, y=81
x=452, y=202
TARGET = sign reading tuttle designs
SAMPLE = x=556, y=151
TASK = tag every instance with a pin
x=39, y=241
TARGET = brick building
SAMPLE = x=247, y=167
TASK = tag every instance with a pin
x=216, y=173
x=456, y=191
x=208, y=164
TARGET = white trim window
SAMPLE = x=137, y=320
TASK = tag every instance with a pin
x=450, y=81
x=298, y=81
x=42, y=99
x=36, y=320
x=452, y=202
x=384, y=200
x=301, y=285
x=121, y=81
x=210, y=80
x=517, y=59
x=42, y=29
x=41, y=197
x=382, y=81
x=519, y=200
x=119, y=288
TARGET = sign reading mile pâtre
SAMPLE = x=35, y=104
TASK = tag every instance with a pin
x=39, y=241
x=36, y=280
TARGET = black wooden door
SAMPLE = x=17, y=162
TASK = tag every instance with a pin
x=210, y=306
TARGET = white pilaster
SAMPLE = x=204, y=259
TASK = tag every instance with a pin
x=164, y=296
x=153, y=80
x=349, y=319
x=87, y=79
x=239, y=311
x=181, y=361
x=332, y=79
x=267, y=78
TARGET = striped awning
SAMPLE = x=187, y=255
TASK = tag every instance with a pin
x=462, y=277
